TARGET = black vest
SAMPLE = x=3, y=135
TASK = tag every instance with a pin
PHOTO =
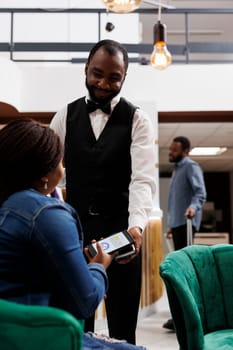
x=98, y=172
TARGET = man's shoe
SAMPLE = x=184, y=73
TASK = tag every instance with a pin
x=169, y=325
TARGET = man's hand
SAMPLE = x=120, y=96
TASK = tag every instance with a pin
x=169, y=233
x=136, y=233
x=190, y=213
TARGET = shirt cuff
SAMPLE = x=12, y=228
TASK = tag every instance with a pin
x=138, y=221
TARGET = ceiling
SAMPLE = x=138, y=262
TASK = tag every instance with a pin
x=202, y=135
x=211, y=28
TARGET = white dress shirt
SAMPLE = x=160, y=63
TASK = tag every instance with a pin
x=142, y=150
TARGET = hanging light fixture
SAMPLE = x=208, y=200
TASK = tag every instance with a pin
x=109, y=25
x=122, y=6
x=160, y=57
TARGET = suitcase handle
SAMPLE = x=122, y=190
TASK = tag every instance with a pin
x=189, y=231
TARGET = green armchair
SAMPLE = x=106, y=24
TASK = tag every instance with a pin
x=199, y=284
x=24, y=327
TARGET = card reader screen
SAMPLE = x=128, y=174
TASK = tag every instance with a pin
x=113, y=242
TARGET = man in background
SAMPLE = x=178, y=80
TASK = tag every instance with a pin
x=110, y=174
x=186, y=197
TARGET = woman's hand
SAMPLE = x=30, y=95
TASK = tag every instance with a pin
x=101, y=257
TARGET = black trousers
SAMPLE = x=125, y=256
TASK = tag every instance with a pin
x=123, y=295
x=179, y=235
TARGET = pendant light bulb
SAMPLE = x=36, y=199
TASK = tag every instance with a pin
x=160, y=57
x=122, y=6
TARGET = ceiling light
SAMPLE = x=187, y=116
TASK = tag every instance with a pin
x=122, y=6
x=207, y=151
x=160, y=57
x=109, y=26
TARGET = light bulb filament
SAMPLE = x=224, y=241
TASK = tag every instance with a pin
x=160, y=57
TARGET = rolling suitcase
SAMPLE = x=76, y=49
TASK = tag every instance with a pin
x=169, y=242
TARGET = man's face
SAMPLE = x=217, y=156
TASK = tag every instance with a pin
x=176, y=152
x=105, y=75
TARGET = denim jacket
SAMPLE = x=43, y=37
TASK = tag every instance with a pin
x=41, y=260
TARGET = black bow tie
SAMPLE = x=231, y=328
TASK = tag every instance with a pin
x=92, y=106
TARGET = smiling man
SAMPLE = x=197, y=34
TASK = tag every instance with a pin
x=110, y=174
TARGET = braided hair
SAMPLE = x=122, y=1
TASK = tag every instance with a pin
x=28, y=151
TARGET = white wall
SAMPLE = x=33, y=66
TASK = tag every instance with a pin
x=10, y=83
x=47, y=87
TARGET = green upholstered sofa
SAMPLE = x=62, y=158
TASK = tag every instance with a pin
x=199, y=284
x=25, y=327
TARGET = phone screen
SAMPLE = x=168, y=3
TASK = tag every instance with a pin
x=114, y=242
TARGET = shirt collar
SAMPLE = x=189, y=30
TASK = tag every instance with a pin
x=114, y=101
x=181, y=162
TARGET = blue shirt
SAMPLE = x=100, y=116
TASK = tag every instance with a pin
x=41, y=260
x=187, y=189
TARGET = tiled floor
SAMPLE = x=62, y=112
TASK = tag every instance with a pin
x=150, y=332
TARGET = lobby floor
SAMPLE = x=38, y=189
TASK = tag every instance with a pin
x=150, y=332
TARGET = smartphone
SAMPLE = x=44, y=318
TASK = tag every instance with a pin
x=124, y=253
x=114, y=243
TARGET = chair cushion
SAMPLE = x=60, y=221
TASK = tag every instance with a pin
x=198, y=280
x=25, y=327
x=221, y=340
x=204, y=264
x=223, y=255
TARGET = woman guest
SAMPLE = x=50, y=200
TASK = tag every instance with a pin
x=42, y=261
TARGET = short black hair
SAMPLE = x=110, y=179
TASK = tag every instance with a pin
x=186, y=144
x=111, y=47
